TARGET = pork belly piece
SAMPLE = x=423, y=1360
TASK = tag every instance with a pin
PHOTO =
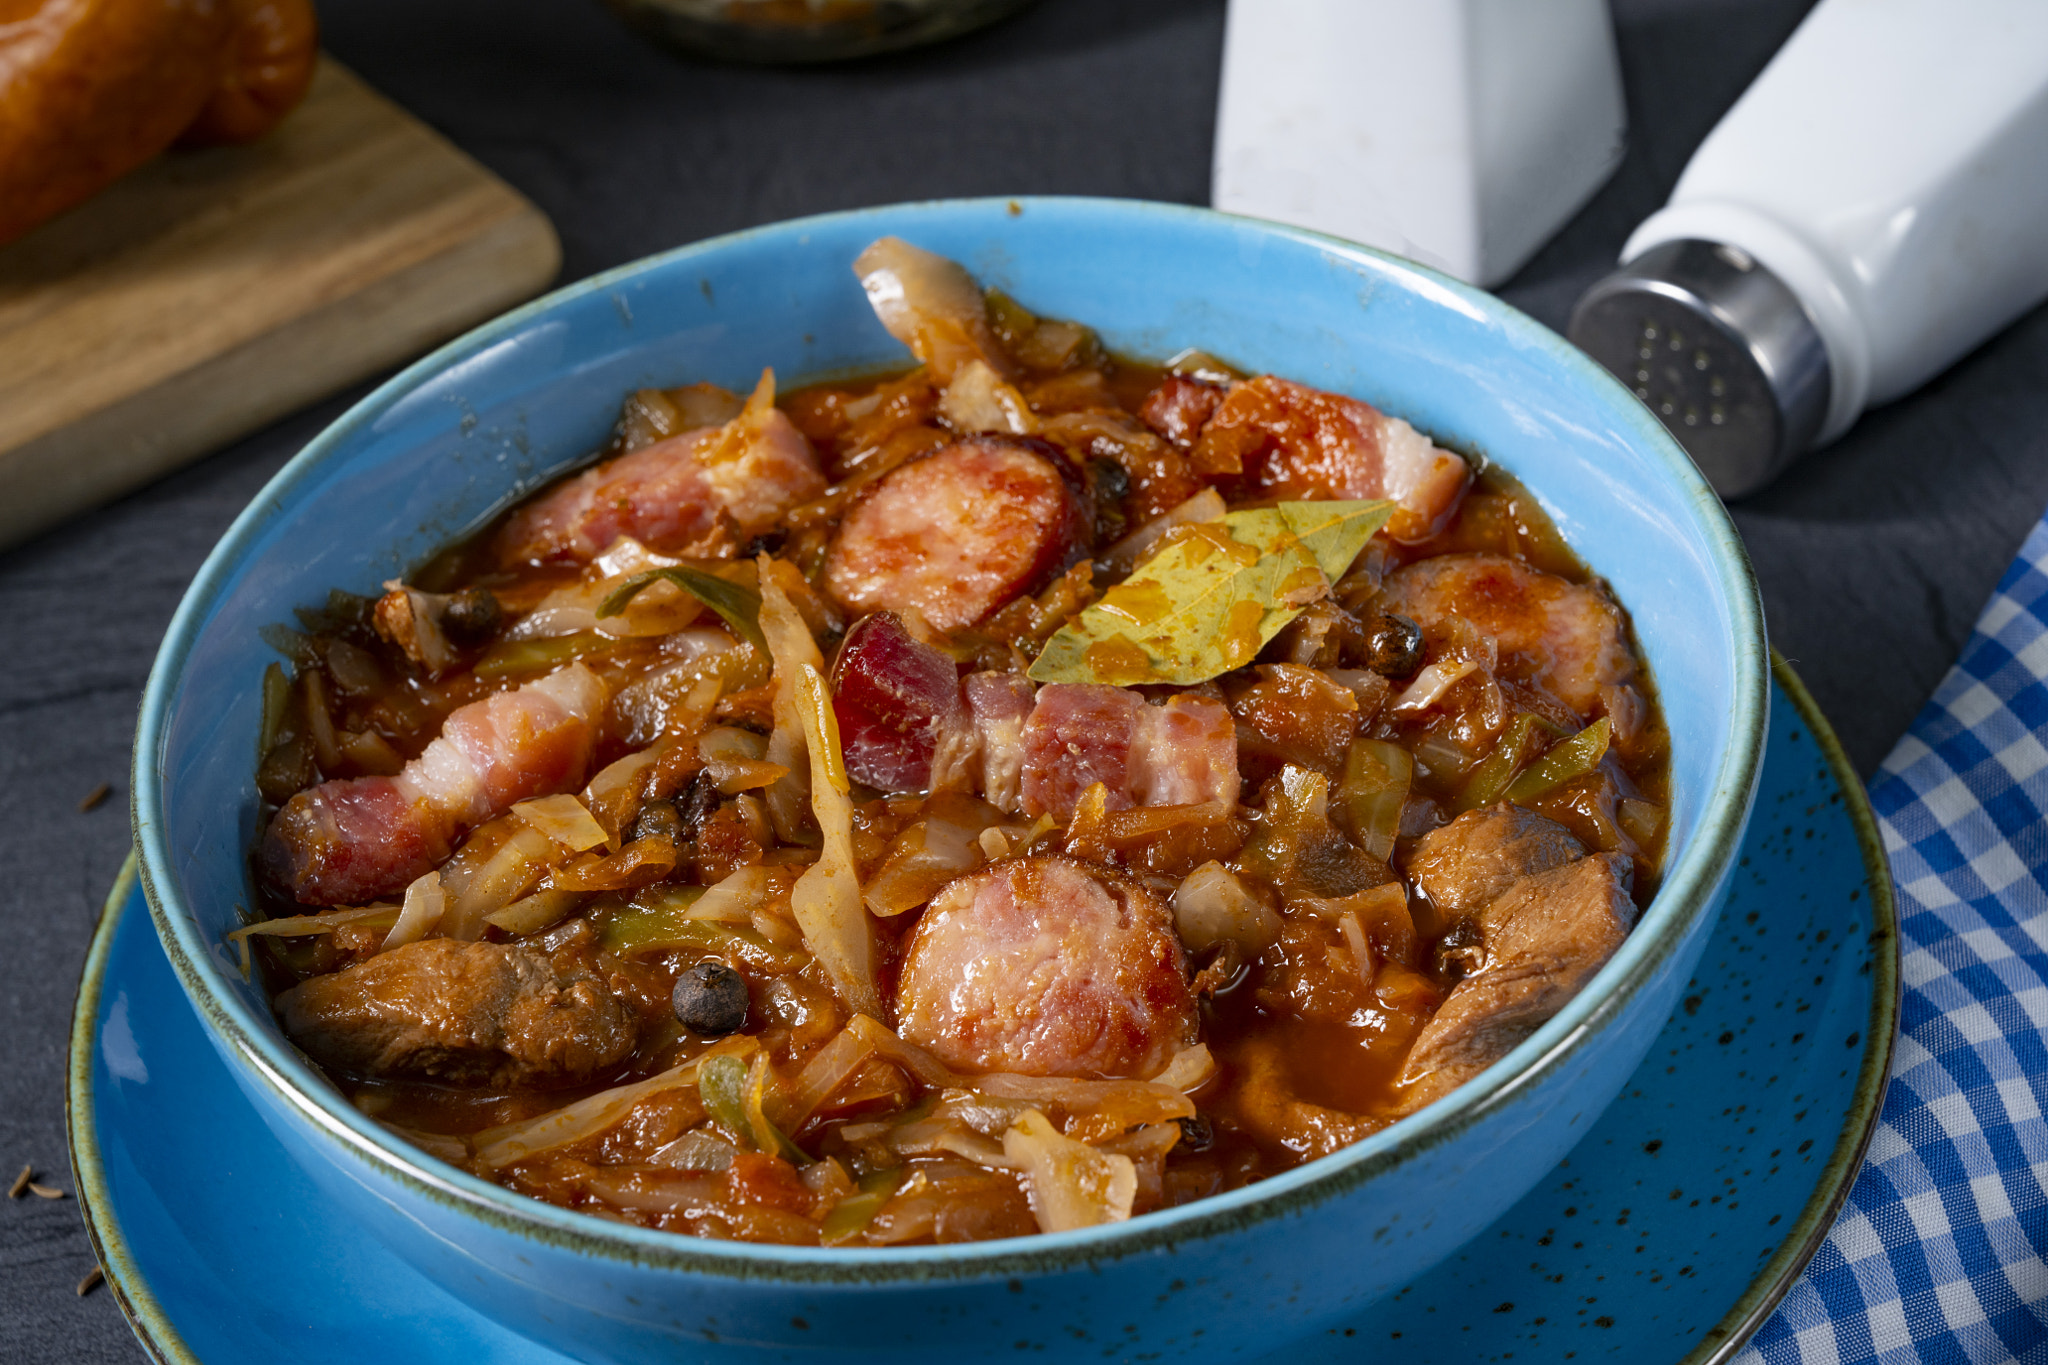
x=1179, y=408
x=983, y=750
x=353, y=840
x=956, y=534
x=1567, y=638
x=1545, y=937
x=1273, y=438
x=704, y=492
x=893, y=696
x=1182, y=753
x=1046, y=966
x=1464, y=866
x=932, y=305
x=483, y=1014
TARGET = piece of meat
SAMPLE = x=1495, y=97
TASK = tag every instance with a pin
x=481, y=1014
x=1545, y=937
x=932, y=305
x=958, y=533
x=1179, y=408
x=348, y=841
x=1464, y=866
x=982, y=748
x=894, y=696
x=1046, y=966
x=1568, y=638
x=1182, y=753
x=1295, y=714
x=703, y=491
x=1272, y=438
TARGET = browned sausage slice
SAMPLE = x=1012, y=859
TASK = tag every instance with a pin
x=1047, y=967
x=955, y=535
x=1568, y=638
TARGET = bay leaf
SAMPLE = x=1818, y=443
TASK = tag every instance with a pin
x=1211, y=598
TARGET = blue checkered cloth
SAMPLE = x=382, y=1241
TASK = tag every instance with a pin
x=1941, y=1253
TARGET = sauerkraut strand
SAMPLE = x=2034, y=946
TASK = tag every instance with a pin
x=826, y=901
x=792, y=649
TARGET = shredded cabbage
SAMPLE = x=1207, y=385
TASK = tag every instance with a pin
x=826, y=900
x=1070, y=1184
x=503, y=1145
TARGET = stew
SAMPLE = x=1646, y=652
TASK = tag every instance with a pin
x=1005, y=795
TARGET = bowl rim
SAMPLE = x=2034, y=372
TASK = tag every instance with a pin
x=1685, y=895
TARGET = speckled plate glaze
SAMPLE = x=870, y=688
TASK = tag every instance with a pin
x=1668, y=1235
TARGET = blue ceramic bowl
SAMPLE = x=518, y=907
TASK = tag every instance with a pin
x=440, y=448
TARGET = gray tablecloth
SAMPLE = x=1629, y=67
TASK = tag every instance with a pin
x=1874, y=555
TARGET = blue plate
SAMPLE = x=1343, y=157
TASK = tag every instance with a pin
x=1669, y=1233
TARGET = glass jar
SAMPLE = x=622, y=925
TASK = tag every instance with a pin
x=795, y=31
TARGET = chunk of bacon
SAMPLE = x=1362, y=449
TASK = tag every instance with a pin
x=893, y=696
x=1179, y=408
x=1182, y=753
x=909, y=723
x=990, y=755
x=700, y=492
x=353, y=840
x=1272, y=438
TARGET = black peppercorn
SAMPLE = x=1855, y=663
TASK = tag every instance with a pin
x=659, y=820
x=472, y=616
x=711, y=998
x=698, y=802
x=1396, y=646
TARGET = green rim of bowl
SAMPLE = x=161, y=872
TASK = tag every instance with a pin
x=1683, y=900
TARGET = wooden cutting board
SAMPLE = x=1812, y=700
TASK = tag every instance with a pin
x=214, y=291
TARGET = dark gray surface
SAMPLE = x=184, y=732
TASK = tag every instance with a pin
x=1874, y=556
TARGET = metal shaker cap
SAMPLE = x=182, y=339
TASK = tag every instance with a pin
x=1720, y=349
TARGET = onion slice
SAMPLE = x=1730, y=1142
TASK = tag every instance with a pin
x=425, y=903
x=565, y=820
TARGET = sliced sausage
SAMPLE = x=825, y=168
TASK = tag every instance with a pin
x=1565, y=637
x=1273, y=438
x=701, y=492
x=348, y=841
x=958, y=533
x=489, y=1014
x=1545, y=937
x=1046, y=966
x=1182, y=753
x=1464, y=866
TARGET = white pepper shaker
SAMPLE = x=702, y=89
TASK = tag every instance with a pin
x=1874, y=206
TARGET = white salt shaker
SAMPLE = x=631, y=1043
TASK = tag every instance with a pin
x=1873, y=206
x=1460, y=133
